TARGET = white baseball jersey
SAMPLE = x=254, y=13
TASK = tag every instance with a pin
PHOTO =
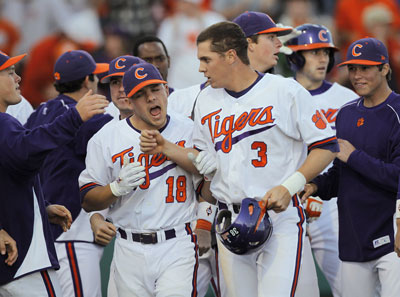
x=21, y=111
x=182, y=101
x=171, y=201
x=259, y=137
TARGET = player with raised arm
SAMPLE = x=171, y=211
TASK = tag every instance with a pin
x=365, y=175
x=311, y=59
x=256, y=126
x=75, y=74
x=151, y=197
x=23, y=152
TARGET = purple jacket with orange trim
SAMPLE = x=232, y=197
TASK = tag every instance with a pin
x=366, y=186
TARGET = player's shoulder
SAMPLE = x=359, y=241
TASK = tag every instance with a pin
x=109, y=129
x=179, y=119
x=342, y=90
x=283, y=84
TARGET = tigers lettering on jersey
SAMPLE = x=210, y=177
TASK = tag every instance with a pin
x=330, y=114
x=148, y=161
x=228, y=125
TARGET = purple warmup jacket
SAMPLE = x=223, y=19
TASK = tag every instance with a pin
x=22, y=205
x=366, y=186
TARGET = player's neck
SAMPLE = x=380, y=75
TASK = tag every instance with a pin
x=241, y=79
x=378, y=96
x=307, y=83
x=77, y=95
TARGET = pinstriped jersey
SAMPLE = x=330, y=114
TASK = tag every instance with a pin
x=166, y=198
x=258, y=138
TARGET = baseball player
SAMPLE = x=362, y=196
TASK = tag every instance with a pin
x=153, y=50
x=105, y=231
x=311, y=60
x=364, y=176
x=256, y=126
x=155, y=251
x=24, y=215
x=75, y=74
x=263, y=36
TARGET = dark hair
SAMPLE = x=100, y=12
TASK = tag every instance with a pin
x=72, y=86
x=145, y=39
x=389, y=74
x=225, y=36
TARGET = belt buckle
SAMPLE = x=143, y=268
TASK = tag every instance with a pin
x=148, y=238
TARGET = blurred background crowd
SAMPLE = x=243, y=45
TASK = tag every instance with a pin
x=109, y=28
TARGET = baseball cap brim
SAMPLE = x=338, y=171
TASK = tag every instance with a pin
x=277, y=30
x=145, y=83
x=12, y=61
x=106, y=79
x=360, y=62
x=101, y=68
x=311, y=46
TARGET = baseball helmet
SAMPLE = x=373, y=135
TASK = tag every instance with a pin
x=312, y=37
x=250, y=230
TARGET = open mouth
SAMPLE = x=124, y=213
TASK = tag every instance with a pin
x=155, y=111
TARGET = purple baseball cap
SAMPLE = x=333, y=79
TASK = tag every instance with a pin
x=120, y=65
x=6, y=61
x=366, y=51
x=253, y=23
x=73, y=65
x=139, y=76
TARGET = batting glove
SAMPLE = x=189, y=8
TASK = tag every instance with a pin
x=205, y=163
x=131, y=176
x=313, y=208
x=284, y=49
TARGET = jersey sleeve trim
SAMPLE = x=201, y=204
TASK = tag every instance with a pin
x=327, y=143
x=86, y=188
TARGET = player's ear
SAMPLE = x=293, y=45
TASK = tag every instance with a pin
x=231, y=56
x=251, y=44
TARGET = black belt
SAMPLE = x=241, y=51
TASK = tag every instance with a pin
x=147, y=238
x=236, y=207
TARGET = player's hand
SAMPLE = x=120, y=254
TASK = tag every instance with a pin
x=284, y=49
x=151, y=142
x=103, y=231
x=309, y=189
x=91, y=104
x=313, y=208
x=8, y=246
x=60, y=215
x=205, y=162
x=277, y=199
x=397, y=242
x=346, y=148
x=203, y=240
x=131, y=176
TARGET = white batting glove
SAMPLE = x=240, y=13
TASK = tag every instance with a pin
x=313, y=208
x=131, y=176
x=205, y=163
x=284, y=49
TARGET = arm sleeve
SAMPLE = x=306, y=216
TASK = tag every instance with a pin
x=328, y=182
x=25, y=149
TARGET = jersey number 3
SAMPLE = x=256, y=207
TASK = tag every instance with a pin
x=180, y=192
x=261, y=148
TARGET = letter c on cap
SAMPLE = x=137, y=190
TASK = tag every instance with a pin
x=321, y=35
x=353, y=52
x=117, y=66
x=139, y=76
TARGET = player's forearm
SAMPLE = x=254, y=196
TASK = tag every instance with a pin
x=179, y=155
x=317, y=160
x=206, y=194
x=98, y=198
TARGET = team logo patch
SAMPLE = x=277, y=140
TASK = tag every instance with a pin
x=57, y=76
x=138, y=75
x=353, y=52
x=322, y=34
x=360, y=122
x=117, y=66
x=209, y=211
x=319, y=120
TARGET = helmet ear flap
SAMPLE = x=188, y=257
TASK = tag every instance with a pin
x=223, y=220
x=331, y=60
x=296, y=61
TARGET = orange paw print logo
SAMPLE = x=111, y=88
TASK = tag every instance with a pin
x=360, y=122
x=319, y=120
x=57, y=76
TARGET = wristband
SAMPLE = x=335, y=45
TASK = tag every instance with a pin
x=206, y=211
x=398, y=209
x=203, y=224
x=295, y=183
